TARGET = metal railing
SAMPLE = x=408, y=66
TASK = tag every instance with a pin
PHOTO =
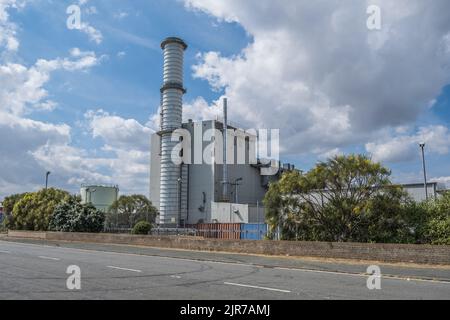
x=209, y=233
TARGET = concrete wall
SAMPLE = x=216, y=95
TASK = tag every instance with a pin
x=224, y=212
x=417, y=191
x=409, y=253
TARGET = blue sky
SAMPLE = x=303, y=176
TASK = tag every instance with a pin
x=311, y=69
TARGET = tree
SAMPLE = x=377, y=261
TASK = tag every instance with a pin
x=34, y=210
x=128, y=210
x=9, y=202
x=437, y=229
x=338, y=200
x=8, y=206
x=73, y=216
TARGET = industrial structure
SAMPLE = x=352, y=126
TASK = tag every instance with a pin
x=100, y=196
x=211, y=191
x=417, y=191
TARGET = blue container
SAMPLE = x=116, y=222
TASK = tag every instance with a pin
x=253, y=231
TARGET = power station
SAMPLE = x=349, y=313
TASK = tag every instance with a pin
x=218, y=177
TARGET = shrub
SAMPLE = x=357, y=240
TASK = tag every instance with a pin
x=72, y=216
x=34, y=210
x=437, y=229
x=142, y=227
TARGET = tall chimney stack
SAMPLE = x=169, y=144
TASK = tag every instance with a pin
x=171, y=119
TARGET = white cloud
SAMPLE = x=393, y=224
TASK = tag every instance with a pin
x=121, y=15
x=43, y=146
x=443, y=180
x=29, y=148
x=315, y=71
x=22, y=89
x=91, y=10
x=93, y=34
x=117, y=132
x=399, y=148
x=8, y=30
x=19, y=170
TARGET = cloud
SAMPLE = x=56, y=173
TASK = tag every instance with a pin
x=443, y=180
x=26, y=142
x=315, y=71
x=8, y=30
x=22, y=89
x=43, y=146
x=399, y=148
x=19, y=170
x=121, y=15
x=117, y=132
x=93, y=34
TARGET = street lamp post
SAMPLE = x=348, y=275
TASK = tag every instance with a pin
x=422, y=147
x=46, y=179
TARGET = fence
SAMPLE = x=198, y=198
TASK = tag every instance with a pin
x=232, y=231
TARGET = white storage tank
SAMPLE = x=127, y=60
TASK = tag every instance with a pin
x=101, y=196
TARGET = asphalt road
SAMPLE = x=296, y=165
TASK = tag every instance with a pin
x=38, y=271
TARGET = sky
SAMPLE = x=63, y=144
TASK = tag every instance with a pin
x=82, y=103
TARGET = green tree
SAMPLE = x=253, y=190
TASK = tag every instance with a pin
x=390, y=218
x=437, y=229
x=338, y=200
x=34, y=210
x=8, y=206
x=9, y=202
x=73, y=216
x=128, y=210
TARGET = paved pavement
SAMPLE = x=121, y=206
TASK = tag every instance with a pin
x=37, y=270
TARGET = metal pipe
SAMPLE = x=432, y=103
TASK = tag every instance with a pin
x=225, y=151
x=422, y=146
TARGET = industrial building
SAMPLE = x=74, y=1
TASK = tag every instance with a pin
x=100, y=196
x=209, y=190
x=417, y=190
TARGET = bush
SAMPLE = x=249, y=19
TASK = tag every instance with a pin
x=142, y=227
x=437, y=228
x=34, y=210
x=72, y=216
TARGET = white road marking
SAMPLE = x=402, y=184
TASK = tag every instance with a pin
x=125, y=269
x=256, y=287
x=364, y=275
x=3, y=251
x=176, y=277
x=48, y=258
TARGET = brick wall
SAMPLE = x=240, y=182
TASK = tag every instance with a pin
x=424, y=254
